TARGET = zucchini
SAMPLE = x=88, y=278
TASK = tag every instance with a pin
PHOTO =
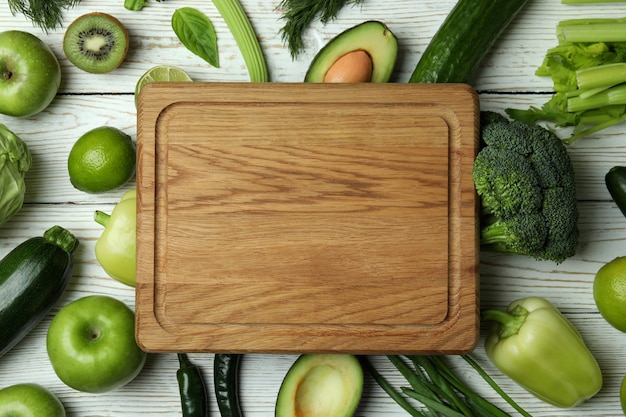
x=32, y=278
x=615, y=181
x=226, y=381
x=463, y=40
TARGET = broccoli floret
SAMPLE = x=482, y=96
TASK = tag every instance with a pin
x=561, y=214
x=489, y=117
x=507, y=182
x=545, y=154
x=548, y=160
x=525, y=181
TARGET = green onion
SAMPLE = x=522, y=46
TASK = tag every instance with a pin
x=440, y=378
x=435, y=406
x=237, y=21
x=439, y=389
x=494, y=385
x=389, y=389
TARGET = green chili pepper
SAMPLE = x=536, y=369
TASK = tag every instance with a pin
x=537, y=347
x=115, y=250
x=226, y=380
x=193, y=393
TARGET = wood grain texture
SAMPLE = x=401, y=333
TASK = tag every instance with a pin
x=307, y=212
x=506, y=78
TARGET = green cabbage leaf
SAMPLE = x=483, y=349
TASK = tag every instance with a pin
x=15, y=161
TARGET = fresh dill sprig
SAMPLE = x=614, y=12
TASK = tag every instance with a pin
x=45, y=14
x=298, y=14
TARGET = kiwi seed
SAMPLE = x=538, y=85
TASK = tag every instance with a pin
x=96, y=42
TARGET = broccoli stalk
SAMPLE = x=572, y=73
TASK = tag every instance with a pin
x=525, y=181
x=588, y=70
x=523, y=234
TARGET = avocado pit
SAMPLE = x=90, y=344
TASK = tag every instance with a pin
x=321, y=392
x=366, y=52
x=353, y=67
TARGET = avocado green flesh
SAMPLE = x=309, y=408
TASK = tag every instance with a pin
x=373, y=37
x=321, y=385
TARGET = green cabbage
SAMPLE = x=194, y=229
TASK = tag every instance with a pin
x=15, y=161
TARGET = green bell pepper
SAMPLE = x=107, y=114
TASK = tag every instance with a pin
x=538, y=347
x=115, y=249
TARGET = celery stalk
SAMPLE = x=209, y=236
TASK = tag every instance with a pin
x=593, y=129
x=608, y=97
x=603, y=115
x=601, y=76
x=588, y=70
x=589, y=20
x=591, y=1
x=592, y=91
x=595, y=30
x=237, y=21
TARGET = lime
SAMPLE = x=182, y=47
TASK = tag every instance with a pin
x=161, y=73
x=101, y=160
x=609, y=292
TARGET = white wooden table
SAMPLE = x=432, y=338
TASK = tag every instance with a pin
x=505, y=79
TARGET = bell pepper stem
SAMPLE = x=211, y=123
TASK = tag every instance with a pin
x=510, y=323
x=101, y=217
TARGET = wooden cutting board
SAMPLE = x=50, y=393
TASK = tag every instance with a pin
x=288, y=217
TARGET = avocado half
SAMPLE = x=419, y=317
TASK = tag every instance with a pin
x=373, y=37
x=328, y=385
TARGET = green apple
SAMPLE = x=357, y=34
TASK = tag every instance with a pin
x=91, y=344
x=28, y=400
x=30, y=74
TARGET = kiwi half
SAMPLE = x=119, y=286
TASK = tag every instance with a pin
x=96, y=42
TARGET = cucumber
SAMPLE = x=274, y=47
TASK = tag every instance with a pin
x=615, y=181
x=226, y=381
x=462, y=41
x=32, y=278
